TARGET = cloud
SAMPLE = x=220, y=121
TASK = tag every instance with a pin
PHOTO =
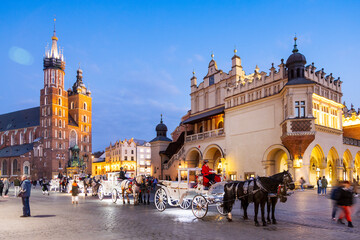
x=21, y=56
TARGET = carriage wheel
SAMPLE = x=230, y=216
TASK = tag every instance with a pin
x=101, y=192
x=220, y=209
x=186, y=203
x=160, y=199
x=199, y=206
x=114, y=195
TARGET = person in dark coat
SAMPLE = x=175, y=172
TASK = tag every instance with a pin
x=45, y=185
x=16, y=186
x=122, y=174
x=345, y=202
x=1, y=186
x=34, y=183
x=75, y=192
x=26, y=190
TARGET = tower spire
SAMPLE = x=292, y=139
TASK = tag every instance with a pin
x=295, y=50
x=54, y=53
x=161, y=121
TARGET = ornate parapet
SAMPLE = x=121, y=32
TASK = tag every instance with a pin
x=351, y=141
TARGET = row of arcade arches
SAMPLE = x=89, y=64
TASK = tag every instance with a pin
x=332, y=165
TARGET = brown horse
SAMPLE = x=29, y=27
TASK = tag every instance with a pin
x=131, y=186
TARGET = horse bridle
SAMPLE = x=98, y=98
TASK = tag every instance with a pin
x=282, y=189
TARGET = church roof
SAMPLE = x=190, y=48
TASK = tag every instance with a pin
x=15, y=151
x=72, y=121
x=161, y=138
x=20, y=119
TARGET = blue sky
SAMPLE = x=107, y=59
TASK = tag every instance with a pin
x=137, y=56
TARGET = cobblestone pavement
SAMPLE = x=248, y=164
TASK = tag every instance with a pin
x=304, y=216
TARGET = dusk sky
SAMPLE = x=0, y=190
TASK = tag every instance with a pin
x=138, y=56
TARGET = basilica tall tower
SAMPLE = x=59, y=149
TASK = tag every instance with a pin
x=54, y=110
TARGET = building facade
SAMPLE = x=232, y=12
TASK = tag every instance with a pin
x=134, y=156
x=262, y=123
x=52, y=138
x=143, y=159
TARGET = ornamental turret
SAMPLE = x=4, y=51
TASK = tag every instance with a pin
x=296, y=64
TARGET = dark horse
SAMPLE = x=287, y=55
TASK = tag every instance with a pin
x=145, y=190
x=257, y=191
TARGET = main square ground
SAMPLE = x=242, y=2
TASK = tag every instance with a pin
x=304, y=216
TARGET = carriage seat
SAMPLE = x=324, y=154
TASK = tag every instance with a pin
x=207, y=183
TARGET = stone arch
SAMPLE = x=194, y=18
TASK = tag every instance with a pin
x=276, y=159
x=357, y=167
x=332, y=164
x=73, y=139
x=193, y=157
x=220, y=124
x=317, y=164
x=346, y=165
x=214, y=154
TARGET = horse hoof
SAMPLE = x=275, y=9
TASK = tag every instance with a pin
x=264, y=224
x=229, y=220
x=245, y=218
x=274, y=221
x=257, y=224
x=268, y=221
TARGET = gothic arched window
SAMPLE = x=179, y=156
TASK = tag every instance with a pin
x=15, y=167
x=4, y=168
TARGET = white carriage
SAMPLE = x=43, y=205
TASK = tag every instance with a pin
x=54, y=184
x=186, y=193
x=110, y=187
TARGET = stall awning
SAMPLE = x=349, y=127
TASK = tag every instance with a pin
x=200, y=116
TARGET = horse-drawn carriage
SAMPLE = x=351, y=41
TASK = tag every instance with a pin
x=110, y=187
x=190, y=193
x=118, y=188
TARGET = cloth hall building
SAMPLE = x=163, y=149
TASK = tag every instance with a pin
x=291, y=118
x=54, y=137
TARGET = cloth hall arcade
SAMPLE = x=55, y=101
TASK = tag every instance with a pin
x=262, y=123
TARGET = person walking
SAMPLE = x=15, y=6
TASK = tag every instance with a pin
x=25, y=196
x=335, y=196
x=345, y=202
x=324, y=183
x=75, y=193
x=45, y=185
x=34, y=183
x=1, y=186
x=302, y=182
x=319, y=186
x=6, y=187
x=16, y=186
